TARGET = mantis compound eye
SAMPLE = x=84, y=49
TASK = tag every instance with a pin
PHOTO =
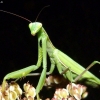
x=35, y=27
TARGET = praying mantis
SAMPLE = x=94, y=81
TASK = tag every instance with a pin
x=66, y=66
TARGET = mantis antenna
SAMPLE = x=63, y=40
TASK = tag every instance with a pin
x=24, y=17
x=16, y=15
x=41, y=11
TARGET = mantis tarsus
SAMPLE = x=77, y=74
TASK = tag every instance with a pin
x=74, y=71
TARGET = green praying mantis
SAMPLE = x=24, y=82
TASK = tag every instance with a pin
x=66, y=66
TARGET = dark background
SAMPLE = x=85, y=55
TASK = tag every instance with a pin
x=73, y=27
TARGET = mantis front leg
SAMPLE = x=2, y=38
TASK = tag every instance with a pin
x=42, y=38
x=18, y=74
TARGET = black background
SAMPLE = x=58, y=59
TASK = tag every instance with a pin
x=73, y=27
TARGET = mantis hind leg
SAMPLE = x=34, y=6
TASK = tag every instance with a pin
x=79, y=76
x=90, y=66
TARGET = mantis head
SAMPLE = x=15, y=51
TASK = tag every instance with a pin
x=35, y=27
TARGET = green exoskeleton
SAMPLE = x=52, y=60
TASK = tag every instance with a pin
x=59, y=59
x=74, y=73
